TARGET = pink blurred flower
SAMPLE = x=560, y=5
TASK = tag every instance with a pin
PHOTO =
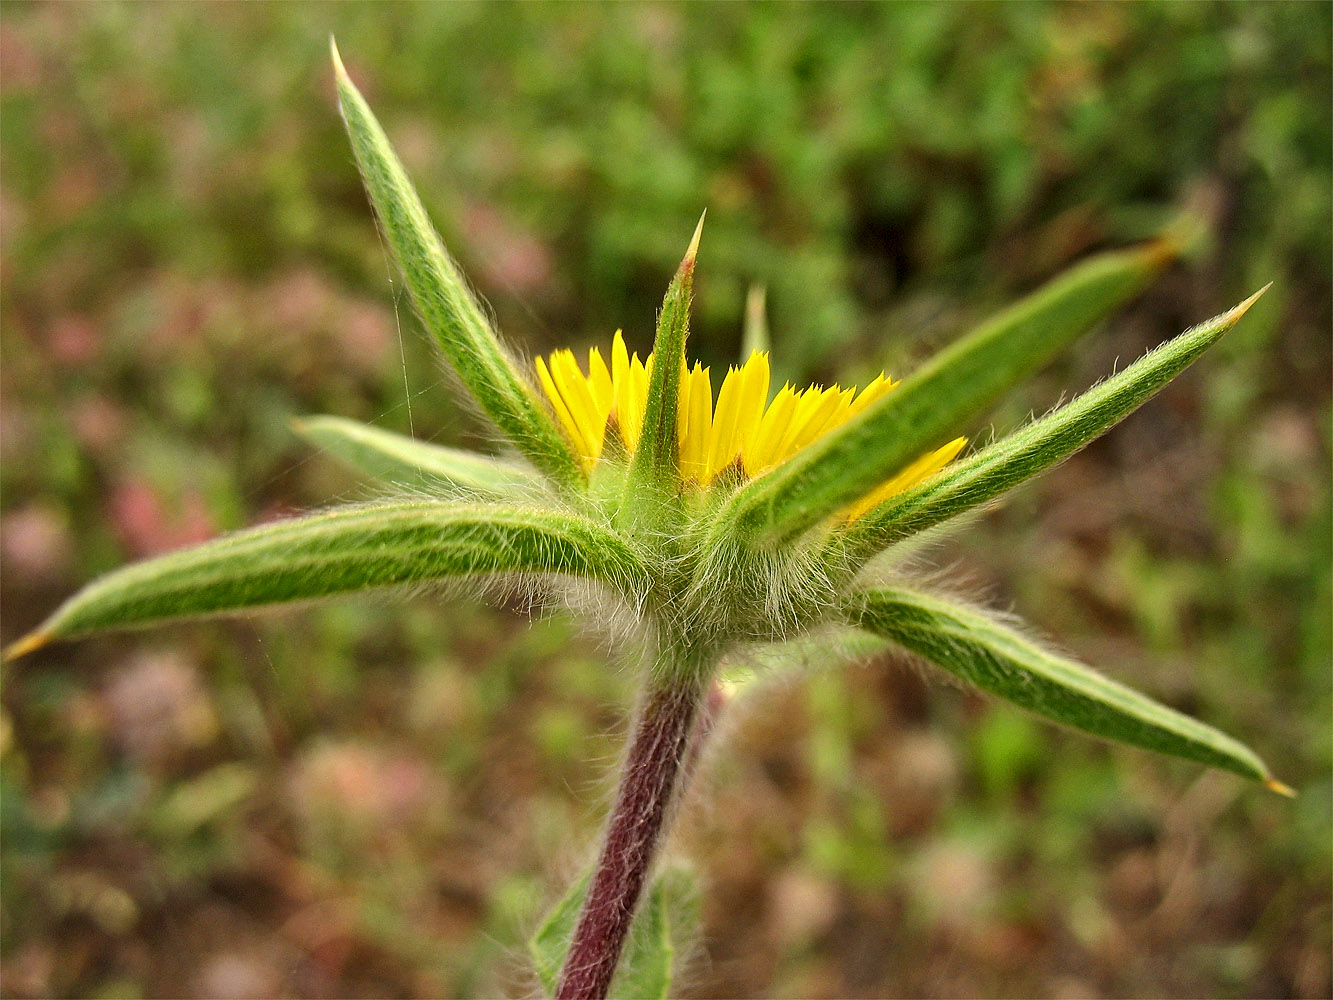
x=147, y=526
x=361, y=785
x=158, y=708
x=99, y=423
x=36, y=543
x=510, y=258
x=74, y=340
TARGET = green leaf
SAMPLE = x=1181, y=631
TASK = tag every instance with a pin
x=191, y=805
x=668, y=915
x=656, y=459
x=548, y=946
x=1036, y=447
x=936, y=401
x=401, y=460
x=340, y=551
x=442, y=298
x=973, y=645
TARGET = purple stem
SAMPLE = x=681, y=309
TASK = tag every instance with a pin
x=632, y=835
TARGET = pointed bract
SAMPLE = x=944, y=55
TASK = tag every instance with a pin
x=343, y=550
x=981, y=650
x=1043, y=443
x=754, y=336
x=931, y=405
x=442, y=298
x=655, y=465
x=404, y=461
x=30, y=643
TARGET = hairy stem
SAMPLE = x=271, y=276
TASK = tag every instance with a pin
x=638, y=819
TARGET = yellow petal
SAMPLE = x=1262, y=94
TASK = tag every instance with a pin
x=562, y=413
x=763, y=454
x=935, y=461
x=620, y=380
x=599, y=381
x=710, y=439
x=842, y=412
x=632, y=401
x=696, y=423
x=754, y=394
x=814, y=410
x=722, y=444
x=740, y=408
x=578, y=397
x=925, y=466
x=877, y=388
x=619, y=357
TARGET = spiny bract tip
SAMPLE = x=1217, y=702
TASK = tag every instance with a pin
x=694, y=243
x=338, y=66
x=1244, y=307
x=1273, y=785
x=30, y=642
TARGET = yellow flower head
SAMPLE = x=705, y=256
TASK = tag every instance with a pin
x=744, y=431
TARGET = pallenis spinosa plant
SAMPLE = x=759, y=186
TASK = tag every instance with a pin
x=721, y=525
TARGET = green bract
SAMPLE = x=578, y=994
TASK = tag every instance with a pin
x=706, y=573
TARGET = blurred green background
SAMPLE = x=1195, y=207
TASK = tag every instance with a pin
x=380, y=799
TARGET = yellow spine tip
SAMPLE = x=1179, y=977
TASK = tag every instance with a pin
x=1273, y=785
x=694, y=243
x=30, y=642
x=1244, y=307
x=338, y=66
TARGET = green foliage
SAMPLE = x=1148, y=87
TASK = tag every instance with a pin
x=549, y=944
x=193, y=805
x=666, y=925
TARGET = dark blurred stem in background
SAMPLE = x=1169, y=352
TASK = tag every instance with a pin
x=663, y=750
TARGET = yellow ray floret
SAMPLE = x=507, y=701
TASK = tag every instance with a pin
x=696, y=423
x=925, y=466
x=744, y=431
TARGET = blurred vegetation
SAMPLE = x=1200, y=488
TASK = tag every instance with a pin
x=375, y=799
